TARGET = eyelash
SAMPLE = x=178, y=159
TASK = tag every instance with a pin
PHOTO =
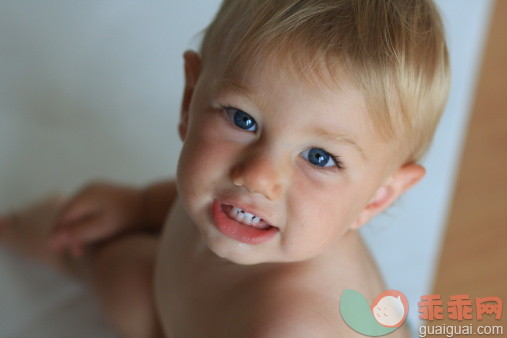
x=336, y=159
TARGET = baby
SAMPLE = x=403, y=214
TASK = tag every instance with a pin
x=300, y=121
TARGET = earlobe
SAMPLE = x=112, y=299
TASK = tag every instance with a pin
x=192, y=72
x=402, y=180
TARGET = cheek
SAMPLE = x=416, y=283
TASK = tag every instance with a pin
x=204, y=158
x=319, y=215
x=326, y=202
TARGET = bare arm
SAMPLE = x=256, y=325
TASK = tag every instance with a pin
x=103, y=210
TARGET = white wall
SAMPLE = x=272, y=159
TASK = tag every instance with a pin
x=92, y=89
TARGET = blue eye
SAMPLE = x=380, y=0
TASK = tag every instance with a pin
x=319, y=157
x=241, y=119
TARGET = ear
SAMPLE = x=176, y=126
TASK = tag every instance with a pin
x=399, y=182
x=192, y=72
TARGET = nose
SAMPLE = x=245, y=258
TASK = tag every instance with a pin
x=260, y=174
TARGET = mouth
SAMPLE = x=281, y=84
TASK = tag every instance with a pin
x=241, y=225
x=244, y=217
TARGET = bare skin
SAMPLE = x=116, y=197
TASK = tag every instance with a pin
x=119, y=271
x=192, y=283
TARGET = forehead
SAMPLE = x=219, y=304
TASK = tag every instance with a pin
x=279, y=64
x=272, y=73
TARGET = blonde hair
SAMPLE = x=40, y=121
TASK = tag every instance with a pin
x=393, y=50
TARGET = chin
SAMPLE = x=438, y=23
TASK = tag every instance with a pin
x=241, y=260
x=237, y=252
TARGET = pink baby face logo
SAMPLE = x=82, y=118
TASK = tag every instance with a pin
x=384, y=315
x=390, y=308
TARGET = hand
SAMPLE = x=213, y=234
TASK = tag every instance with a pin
x=99, y=211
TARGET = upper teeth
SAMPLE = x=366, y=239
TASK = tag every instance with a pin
x=244, y=217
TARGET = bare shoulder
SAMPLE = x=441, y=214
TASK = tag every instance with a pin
x=295, y=313
x=287, y=303
x=302, y=316
x=298, y=313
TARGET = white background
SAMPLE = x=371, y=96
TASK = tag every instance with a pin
x=92, y=89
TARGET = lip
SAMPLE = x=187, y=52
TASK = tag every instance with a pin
x=239, y=231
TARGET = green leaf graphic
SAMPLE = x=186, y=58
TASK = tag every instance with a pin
x=356, y=313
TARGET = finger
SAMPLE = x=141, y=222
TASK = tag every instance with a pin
x=89, y=230
x=73, y=235
x=3, y=224
x=76, y=209
x=65, y=243
x=59, y=242
x=76, y=248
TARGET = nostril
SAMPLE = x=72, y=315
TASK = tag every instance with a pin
x=258, y=176
x=236, y=178
x=276, y=192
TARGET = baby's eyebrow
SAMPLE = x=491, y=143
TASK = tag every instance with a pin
x=339, y=138
x=226, y=85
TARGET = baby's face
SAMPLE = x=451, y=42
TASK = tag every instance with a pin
x=301, y=159
x=389, y=311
